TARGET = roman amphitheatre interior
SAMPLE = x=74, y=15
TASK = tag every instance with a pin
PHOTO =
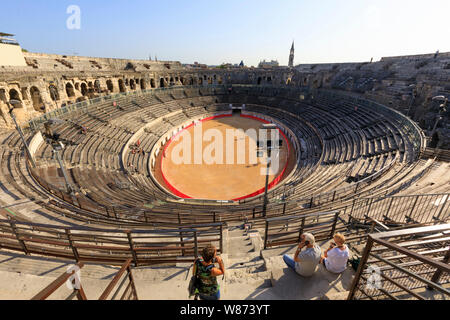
x=88, y=180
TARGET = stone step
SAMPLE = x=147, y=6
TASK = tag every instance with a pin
x=289, y=285
x=21, y=286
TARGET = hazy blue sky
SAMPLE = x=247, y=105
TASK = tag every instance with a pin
x=217, y=31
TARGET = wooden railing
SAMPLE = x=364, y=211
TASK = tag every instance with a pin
x=287, y=230
x=129, y=293
x=77, y=291
x=115, y=287
x=424, y=208
x=107, y=246
x=405, y=264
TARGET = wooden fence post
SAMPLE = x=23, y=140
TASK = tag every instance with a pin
x=333, y=228
x=266, y=233
x=74, y=250
x=195, y=245
x=133, y=252
x=16, y=234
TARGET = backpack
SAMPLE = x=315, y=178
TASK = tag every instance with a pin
x=194, y=283
x=354, y=262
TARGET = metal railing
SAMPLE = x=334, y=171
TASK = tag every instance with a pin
x=425, y=208
x=287, y=230
x=107, y=246
x=77, y=288
x=405, y=264
x=117, y=284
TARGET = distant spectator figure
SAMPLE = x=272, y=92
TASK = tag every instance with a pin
x=305, y=262
x=436, y=54
x=335, y=258
x=83, y=130
x=247, y=225
x=207, y=274
x=138, y=143
x=114, y=104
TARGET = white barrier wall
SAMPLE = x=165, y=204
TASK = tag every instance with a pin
x=35, y=143
x=11, y=55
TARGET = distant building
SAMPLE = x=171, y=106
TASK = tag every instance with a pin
x=10, y=51
x=268, y=64
x=291, y=56
x=196, y=65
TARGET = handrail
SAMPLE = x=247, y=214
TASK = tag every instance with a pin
x=125, y=268
x=301, y=216
x=420, y=254
x=323, y=229
x=104, y=246
x=58, y=282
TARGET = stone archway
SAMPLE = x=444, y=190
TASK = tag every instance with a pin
x=109, y=85
x=54, y=94
x=161, y=83
x=14, y=95
x=69, y=90
x=132, y=84
x=143, y=84
x=97, y=86
x=84, y=89
x=152, y=83
x=36, y=99
x=121, y=86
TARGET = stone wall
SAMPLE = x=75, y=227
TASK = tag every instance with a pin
x=49, y=82
x=405, y=83
x=11, y=55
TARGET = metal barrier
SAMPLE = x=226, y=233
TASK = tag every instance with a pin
x=77, y=291
x=425, y=208
x=405, y=264
x=287, y=230
x=106, y=246
x=129, y=293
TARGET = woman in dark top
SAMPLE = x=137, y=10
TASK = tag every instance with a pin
x=207, y=273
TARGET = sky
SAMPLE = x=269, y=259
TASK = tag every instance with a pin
x=219, y=31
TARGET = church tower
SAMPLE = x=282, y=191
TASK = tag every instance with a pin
x=291, y=56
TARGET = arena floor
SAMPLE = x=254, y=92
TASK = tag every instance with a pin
x=222, y=181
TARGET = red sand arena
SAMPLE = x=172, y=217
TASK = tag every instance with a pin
x=221, y=181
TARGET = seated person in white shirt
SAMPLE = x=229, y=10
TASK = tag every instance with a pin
x=336, y=256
